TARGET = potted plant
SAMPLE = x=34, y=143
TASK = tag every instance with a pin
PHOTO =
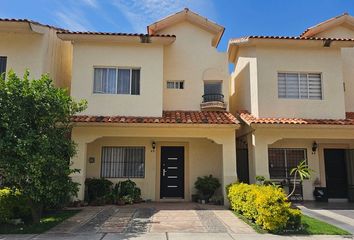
x=206, y=187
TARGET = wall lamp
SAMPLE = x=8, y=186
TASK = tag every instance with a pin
x=314, y=147
x=153, y=145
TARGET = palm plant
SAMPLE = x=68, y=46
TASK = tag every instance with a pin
x=303, y=171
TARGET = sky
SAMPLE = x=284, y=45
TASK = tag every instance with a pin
x=239, y=17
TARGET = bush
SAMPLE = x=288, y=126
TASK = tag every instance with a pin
x=128, y=191
x=13, y=206
x=98, y=191
x=267, y=206
x=207, y=186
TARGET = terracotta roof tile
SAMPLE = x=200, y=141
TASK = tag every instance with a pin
x=168, y=117
x=250, y=119
x=30, y=21
x=241, y=39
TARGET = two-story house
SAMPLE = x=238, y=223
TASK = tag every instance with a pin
x=294, y=97
x=156, y=107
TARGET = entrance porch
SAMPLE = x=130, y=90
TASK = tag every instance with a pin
x=164, y=162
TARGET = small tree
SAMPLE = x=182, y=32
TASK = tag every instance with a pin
x=303, y=171
x=35, y=144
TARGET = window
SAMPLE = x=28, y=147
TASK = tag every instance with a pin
x=3, y=61
x=175, y=84
x=300, y=85
x=123, y=162
x=117, y=81
x=213, y=91
x=282, y=160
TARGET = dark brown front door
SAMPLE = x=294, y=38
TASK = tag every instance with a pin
x=172, y=172
x=336, y=174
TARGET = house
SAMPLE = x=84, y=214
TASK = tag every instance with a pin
x=295, y=99
x=156, y=107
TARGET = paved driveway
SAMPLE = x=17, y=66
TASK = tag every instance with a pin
x=154, y=218
x=157, y=221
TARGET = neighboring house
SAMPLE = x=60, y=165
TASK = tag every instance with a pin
x=156, y=109
x=295, y=98
x=26, y=44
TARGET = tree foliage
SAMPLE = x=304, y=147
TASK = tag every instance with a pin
x=35, y=144
x=303, y=171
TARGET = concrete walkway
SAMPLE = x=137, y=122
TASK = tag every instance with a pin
x=337, y=214
x=169, y=236
x=157, y=221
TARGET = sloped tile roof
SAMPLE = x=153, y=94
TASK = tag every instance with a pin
x=30, y=21
x=241, y=39
x=117, y=34
x=250, y=119
x=168, y=117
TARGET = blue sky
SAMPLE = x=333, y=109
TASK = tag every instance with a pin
x=240, y=17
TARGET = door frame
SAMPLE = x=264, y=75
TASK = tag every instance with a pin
x=187, y=196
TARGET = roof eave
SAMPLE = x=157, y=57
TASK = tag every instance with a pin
x=89, y=37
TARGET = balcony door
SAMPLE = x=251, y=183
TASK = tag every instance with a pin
x=213, y=91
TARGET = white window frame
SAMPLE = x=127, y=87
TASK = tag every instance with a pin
x=299, y=89
x=176, y=84
x=117, y=68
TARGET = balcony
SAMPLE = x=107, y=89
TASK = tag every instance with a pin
x=213, y=102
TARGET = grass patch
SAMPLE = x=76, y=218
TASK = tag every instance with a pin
x=48, y=221
x=310, y=226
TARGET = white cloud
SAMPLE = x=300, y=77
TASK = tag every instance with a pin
x=72, y=20
x=90, y=3
x=141, y=13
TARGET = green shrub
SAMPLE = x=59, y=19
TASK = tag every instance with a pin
x=128, y=190
x=267, y=206
x=13, y=205
x=98, y=190
x=207, y=186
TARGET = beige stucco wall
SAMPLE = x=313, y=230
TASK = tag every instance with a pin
x=191, y=58
x=202, y=158
x=40, y=52
x=327, y=61
x=255, y=83
x=348, y=62
x=243, y=85
x=148, y=57
x=23, y=50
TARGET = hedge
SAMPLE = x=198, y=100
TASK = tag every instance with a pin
x=267, y=206
x=13, y=206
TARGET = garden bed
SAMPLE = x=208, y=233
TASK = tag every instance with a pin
x=48, y=221
x=309, y=226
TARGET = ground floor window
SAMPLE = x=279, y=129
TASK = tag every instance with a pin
x=282, y=160
x=123, y=162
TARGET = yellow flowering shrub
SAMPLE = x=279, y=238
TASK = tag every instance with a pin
x=267, y=206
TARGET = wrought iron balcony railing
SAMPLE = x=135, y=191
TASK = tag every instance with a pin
x=213, y=97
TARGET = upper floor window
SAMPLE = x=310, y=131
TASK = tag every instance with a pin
x=3, y=61
x=117, y=81
x=213, y=91
x=175, y=84
x=300, y=85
